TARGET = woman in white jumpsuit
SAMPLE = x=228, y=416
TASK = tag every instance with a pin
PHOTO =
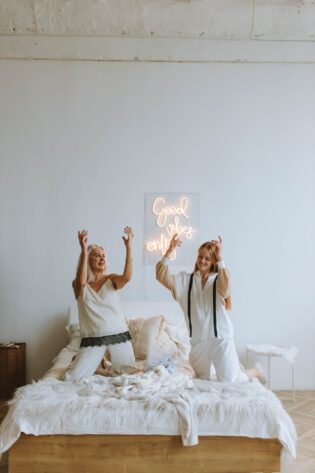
x=204, y=297
x=102, y=323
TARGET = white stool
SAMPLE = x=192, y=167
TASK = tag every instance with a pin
x=287, y=352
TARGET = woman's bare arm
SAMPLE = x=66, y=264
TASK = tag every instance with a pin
x=81, y=276
x=118, y=280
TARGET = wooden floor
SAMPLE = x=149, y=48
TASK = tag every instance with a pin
x=302, y=413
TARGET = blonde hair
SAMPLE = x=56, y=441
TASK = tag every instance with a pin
x=208, y=246
x=90, y=275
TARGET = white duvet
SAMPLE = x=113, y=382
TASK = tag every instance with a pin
x=153, y=403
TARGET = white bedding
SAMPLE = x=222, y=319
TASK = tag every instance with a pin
x=152, y=403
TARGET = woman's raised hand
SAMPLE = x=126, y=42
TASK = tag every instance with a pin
x=83, y=239
x=174, y=243
x=128, y=231
x=217, y=245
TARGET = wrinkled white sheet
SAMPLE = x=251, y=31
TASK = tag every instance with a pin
x=153, y=403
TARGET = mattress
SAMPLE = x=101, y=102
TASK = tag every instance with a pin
x=157, y=402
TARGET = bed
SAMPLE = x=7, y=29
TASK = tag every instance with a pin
x=160, y=419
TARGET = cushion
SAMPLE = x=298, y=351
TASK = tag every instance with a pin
x=179, y=335
x=163, y=343
x=144, y=332
x=61, y=363
x=74, y=335
x=154, y=342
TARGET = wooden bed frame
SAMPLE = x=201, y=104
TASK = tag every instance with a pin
x=142, y=454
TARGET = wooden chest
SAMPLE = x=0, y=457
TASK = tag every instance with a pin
x=12, y=369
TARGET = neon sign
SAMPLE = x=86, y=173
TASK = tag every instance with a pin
x=169, y=220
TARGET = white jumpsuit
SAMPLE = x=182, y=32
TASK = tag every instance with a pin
x=208, y=345
x=101, y=319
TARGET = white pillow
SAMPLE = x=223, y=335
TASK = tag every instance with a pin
x=144, y=333
x=152, y=337
x=74, y=335
x=179, y=335
x=61, y=363
x=172, y=313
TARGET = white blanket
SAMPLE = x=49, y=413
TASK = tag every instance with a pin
x=153, y=403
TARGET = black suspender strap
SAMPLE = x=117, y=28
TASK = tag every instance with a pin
x=215, y=307
x=214, y=301
x=189, y=293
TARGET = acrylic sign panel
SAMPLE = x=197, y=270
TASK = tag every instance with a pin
x=165, y=215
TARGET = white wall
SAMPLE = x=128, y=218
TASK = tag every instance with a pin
x=81, y=142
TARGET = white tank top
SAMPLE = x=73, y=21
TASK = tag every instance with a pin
x=100, y=313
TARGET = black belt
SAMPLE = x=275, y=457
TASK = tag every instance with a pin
x=105, y=340
x=214, y=302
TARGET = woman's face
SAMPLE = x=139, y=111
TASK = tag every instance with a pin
x=204, y=260
x=98, y=259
